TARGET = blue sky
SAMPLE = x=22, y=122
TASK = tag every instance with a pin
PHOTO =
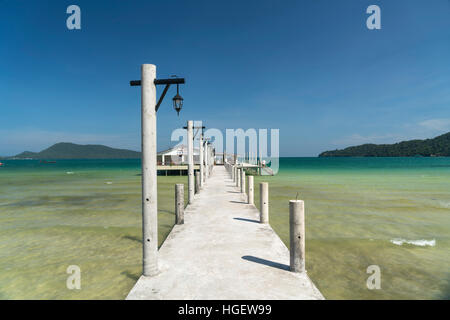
x=309, y=68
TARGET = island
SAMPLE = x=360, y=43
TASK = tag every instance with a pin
x=436, y=147
x=66, y=150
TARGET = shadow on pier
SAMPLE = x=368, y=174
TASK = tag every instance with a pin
x=266, y=262
x=246, y=220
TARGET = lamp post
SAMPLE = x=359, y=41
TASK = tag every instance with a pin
x=190, y=146
x=149, y=107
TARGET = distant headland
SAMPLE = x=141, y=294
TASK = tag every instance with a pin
x=65, y=150
x=437, y=147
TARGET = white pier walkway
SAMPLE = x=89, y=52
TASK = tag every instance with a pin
x=223, y=252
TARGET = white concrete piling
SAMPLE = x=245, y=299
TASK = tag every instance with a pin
x=149, y=170
x=197, y=181
x=264, y=202
x=297, y=235
x=238, y=177
x=179, y=203
x=206, y=160
x=251, y=194
x=202, y=172
x=232, y=172
x=243, y=181
x=190, y=143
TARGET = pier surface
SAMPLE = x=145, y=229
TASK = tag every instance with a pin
x=223, y=252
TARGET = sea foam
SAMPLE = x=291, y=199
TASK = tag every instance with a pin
x=421, y=243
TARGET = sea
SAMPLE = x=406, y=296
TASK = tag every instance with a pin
x=391, y=215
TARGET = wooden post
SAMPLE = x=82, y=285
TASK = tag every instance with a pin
x=149, y=170
x=251, y=195
x=264, y=202
x=297, y=235
x=179, y=203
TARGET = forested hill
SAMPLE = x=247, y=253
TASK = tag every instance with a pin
x=439, y=146
x=66, y=150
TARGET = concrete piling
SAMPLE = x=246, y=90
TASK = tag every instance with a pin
x=179, y=203
x=200, y=145
x=238, y=177
x=190, y=143
x=197, y=181
x=251, y=196
x=232, y=172
x=149, y=169
x=205, y=150
x=242, y=180
x=264, y=202
x=297, y=235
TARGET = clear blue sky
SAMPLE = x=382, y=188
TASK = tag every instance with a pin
x=309, y=68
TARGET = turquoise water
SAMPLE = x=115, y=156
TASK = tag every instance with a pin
x=390, y=212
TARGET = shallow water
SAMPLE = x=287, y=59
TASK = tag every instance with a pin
x=85, y=213
x=359, y=212
x=390, y=212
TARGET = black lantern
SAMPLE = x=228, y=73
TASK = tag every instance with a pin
x=177, y=102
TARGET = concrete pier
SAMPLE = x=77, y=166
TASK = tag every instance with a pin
x=222, y=252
